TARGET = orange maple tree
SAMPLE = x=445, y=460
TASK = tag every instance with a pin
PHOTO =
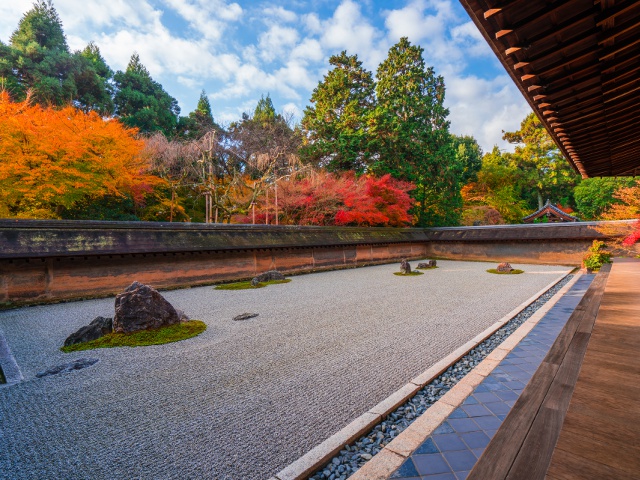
x=50, y=159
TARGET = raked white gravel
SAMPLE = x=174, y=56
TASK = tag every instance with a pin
x=243, y=399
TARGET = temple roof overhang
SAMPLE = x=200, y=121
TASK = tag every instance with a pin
x=577, y=62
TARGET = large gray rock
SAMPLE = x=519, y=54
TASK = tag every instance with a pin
x=268, y=276
x=98, y=327
x=405, y=268
x=141, y=307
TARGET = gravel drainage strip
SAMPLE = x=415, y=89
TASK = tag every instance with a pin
x=342, y=456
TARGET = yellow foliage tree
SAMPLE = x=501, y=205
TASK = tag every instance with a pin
x=51, y=159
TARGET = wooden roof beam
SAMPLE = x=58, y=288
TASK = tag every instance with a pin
x=620, y=47
x=612, y=13
x=620, y=30
x=585, y=16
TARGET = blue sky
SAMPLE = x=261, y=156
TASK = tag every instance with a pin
x=238, y=51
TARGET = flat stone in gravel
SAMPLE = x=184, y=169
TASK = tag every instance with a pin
x=243, y=399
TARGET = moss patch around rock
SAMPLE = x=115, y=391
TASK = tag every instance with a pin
x=515, y=271
x=143, y=338
x=427, y=268
x=412, y=274
x=247, y=285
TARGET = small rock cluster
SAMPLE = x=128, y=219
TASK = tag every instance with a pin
x=504, y=267
x=354, y=456
x=267, y=277
x=427, y=264
x=139, y=307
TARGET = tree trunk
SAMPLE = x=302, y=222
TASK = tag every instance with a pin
x=540, y=204
x=173, y=197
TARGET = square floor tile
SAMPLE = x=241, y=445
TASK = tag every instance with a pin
x=440, y=476
x=476, y=410
x=490, y=433
x=449, y=442
x=478, y=452
x=506, y=395
x=475, y=439
x=488, y=397
x=470, y=400
x=406, y=470
x=489, y=422
x=460, y=461
x=458, y=413
x=498, y=408
x=515, y=385
x=462, y=425
x=431, y=464
x=443, y=428
x=461, y=475
x=427, y=447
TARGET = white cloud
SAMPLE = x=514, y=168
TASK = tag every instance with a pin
x=348, y=30
x=207, y=17
x=276, y=41
x=279, y=14
x=484, y=108
x=291, y=109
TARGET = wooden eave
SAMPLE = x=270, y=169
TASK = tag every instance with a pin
x=577, y=62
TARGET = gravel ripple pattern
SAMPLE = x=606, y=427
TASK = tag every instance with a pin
x=354, y=456
x=243, y=399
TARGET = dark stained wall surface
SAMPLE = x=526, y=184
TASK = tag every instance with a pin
x=45, y=261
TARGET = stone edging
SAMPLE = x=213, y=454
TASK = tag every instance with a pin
x=10, y=369
x=391, y=456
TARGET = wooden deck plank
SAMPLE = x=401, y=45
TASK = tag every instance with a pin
x=571, y=467
x=600, y=437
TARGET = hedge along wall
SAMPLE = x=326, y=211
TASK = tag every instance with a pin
x=44, y=261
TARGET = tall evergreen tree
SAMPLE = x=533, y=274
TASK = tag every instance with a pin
x=265, y=112
x=335, y=127
x=42, y=62
x=413, y=137
x=142, y=102
x=198, y=122
x=8, y=79
x=93, y=80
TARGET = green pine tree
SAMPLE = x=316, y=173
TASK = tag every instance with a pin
x=335, y=128
x=141, y=102
x=264, y=113
x=412, y=133
x=198, y=122
x=41, y=59
x=93, y=80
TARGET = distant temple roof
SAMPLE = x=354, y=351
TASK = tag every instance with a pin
x=553, y=213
